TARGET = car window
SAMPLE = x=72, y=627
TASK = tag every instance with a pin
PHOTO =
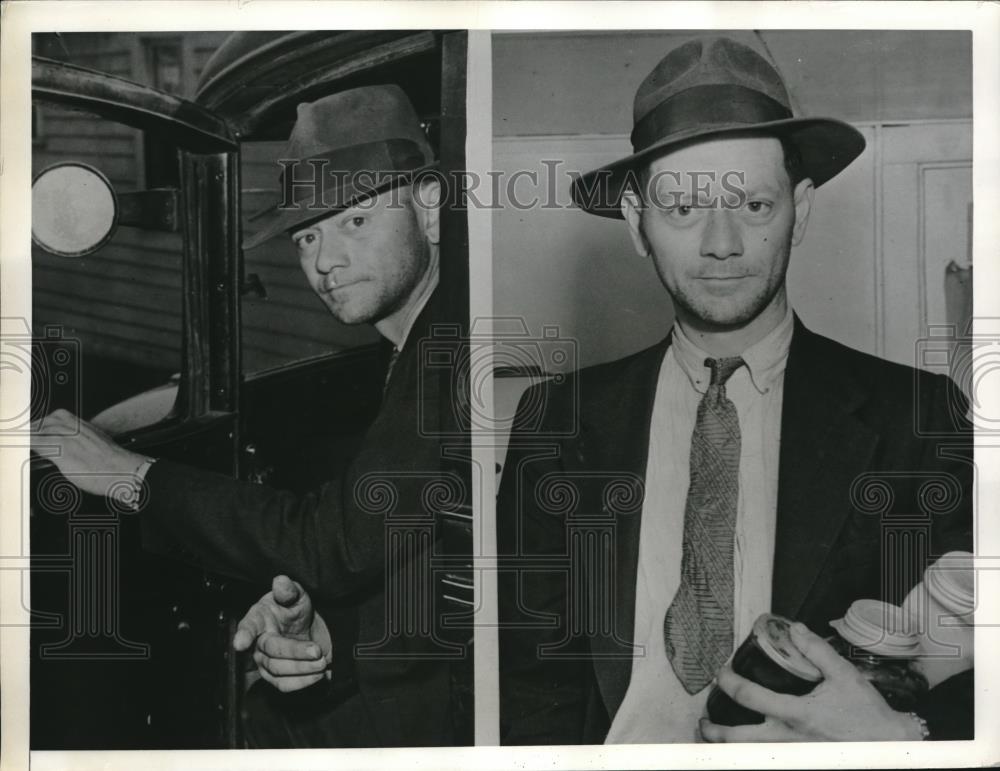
x=117, y=312
x=291, y=323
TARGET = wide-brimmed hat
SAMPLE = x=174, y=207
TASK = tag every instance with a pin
x=707, y=88
x=354, y=144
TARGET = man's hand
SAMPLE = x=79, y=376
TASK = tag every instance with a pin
x=84, y=454
x=843, y=707
x=293, y=646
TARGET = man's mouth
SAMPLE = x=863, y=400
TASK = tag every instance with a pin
x=334, y=288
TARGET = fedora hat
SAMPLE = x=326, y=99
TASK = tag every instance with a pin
x=707, y=88
x=345, y=147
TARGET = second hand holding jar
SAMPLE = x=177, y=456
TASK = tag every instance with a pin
x=877, y=639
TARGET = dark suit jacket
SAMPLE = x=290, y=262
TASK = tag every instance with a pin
x=874, y=480
x=334, y=542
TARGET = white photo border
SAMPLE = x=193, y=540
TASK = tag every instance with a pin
x=23, y=17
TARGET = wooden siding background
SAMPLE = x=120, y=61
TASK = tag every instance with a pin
x=124, y=302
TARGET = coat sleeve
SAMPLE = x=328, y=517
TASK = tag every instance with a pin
x=324, y=539
x=948, y=449
x=333, y=540
x=948, y=708
x=542, y=697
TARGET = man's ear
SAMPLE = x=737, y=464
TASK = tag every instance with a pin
x=427, y=204
x=632, y=212
x=803, y=199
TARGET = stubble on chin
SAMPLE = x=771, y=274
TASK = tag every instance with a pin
x=360, y=308
x=724, y=312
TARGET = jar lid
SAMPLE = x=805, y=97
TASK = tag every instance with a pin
x=773, y=638
x=879, y=628
x=951, y=582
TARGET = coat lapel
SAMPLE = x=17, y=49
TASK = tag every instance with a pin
x=614, y=445
x=824, y=447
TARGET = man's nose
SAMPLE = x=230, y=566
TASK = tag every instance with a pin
x=721, y=237
x=330, y=254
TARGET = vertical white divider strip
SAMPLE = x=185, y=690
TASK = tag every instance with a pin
x=479, y=160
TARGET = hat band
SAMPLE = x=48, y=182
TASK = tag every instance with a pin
x=364, y=168
x=700, y=108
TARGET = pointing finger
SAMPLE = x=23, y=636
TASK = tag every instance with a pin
x=286, y=592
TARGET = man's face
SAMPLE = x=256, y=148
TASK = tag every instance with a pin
x=364, y=262
x=719, y=222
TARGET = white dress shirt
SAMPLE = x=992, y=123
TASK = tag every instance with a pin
x=656, y=708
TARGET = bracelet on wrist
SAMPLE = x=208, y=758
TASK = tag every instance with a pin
x=925, y=732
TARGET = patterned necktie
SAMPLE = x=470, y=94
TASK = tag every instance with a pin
x=698, y=627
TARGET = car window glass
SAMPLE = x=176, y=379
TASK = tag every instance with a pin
x=117, y=312
x=290, y=323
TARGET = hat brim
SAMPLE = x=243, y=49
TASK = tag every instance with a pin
x=276, y=219
x=827, y=146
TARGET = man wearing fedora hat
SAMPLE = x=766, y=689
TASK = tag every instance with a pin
x=722, y=473
x=366, y=231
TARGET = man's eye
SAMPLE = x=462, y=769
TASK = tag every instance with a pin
x=683, y=210
x=304, y=240
x=758, y=207
x=357, y=221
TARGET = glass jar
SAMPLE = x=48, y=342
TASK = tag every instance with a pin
x=767, y=657
x=878, y=640
x=940, y=609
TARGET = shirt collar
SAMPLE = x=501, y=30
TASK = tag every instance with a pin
x=765, y=360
